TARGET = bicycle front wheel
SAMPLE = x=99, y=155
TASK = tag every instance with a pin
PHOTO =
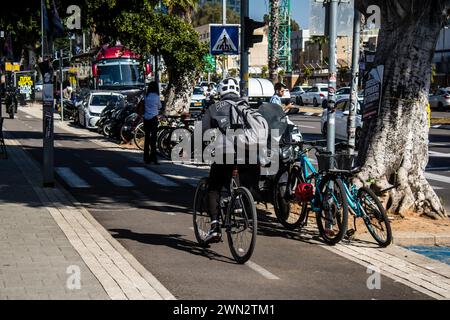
x=332, y=218
x=375, y=216
x=200, y=217
x=242, y=225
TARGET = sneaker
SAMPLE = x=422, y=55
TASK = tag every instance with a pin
x=214, y=235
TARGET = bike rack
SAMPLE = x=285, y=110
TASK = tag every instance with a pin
x=3, y=153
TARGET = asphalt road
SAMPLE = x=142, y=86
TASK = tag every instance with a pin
x=148, y=210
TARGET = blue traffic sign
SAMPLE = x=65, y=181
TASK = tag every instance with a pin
x=224, y=39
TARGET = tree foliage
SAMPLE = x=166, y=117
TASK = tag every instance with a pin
x=212, y=13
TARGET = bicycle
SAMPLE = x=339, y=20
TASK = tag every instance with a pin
x=317, y=191
x=363, y=202
x=237, y=215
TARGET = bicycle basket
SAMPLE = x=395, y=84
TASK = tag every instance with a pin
x=323, y=160
x=345, y=161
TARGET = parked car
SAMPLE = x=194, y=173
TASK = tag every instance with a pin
x=197, y=100
x=342, y=93
x=342, y=112
x=259, y=91
x=315, y=95
x=440, y=99
x=89, y=112
x=296, y=92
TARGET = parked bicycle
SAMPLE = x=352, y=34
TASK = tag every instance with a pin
x=302, y=188
x=237, y=217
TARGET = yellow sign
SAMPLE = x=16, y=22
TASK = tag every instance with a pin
x=16, y=67
x=8, y=66
x=25, y=81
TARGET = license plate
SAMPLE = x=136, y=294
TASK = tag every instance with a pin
x=197, y=104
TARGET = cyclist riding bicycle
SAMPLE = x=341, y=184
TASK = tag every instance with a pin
x=221, y=170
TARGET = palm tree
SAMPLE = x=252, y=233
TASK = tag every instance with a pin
x=321, y=41
x=274, y=28
x=182, y=8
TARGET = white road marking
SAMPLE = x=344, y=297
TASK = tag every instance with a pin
x=153, y=177
x=437, y=177
x=188, y=180
x=437, y=188
x=265, y=273
x=71, y=178
x=439, y=154
x=28, y=117
x=113, y=177
x=307, y=127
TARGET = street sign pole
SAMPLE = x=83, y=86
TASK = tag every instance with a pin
x=61, y=83
x=332, y=6
x=355, y=80
x=244, y=51
x=48, y=107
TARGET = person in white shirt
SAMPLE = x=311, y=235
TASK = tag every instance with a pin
x=152, y=108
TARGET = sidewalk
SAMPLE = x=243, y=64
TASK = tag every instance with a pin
x=52, y=248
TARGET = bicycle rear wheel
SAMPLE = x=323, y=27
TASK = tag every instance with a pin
x=375, y=216
x=139, y=136
x=242, y=225
x=200, y=217
x=332, y=218
x=290, y=213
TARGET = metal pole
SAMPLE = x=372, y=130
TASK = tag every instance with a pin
x=61, y=78
x=224, y=11
x=84, y=42
x=47, y=125
x=354, y=87
x=331, y=116
x=244, y=53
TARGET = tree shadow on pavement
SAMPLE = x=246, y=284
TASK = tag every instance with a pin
x=174, y=241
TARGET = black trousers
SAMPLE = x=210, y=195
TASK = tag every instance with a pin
x=220, y=176
x=151, y=129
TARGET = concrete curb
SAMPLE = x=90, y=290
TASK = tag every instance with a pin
x=421, y=239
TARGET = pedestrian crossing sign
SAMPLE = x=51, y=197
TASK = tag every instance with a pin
x=224, y=39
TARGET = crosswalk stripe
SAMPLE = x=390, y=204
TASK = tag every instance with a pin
x=190, y=181
x=113, y=177
x=437, y=177
x=71, y=178
x=153, y=177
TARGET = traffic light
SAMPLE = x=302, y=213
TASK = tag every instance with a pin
x=249, y=27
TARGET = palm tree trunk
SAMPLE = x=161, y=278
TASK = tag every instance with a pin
x=274, y=28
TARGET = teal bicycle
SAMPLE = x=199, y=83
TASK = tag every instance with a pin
x=301, y=189
x=361, y=202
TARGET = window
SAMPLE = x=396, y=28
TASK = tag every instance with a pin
x=295, y=89
x=324, y=89
x=198, y=91
x=314, y=89
x=102, y=100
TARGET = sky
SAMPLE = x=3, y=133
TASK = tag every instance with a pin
x=300, y=10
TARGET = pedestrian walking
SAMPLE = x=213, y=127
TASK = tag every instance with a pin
x=152, y=108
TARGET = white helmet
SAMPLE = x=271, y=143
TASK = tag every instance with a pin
x=229, y=85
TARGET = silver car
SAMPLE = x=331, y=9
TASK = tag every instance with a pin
x=89, y=112
x=315, y=95
x=440, y=99
x=342, y=112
